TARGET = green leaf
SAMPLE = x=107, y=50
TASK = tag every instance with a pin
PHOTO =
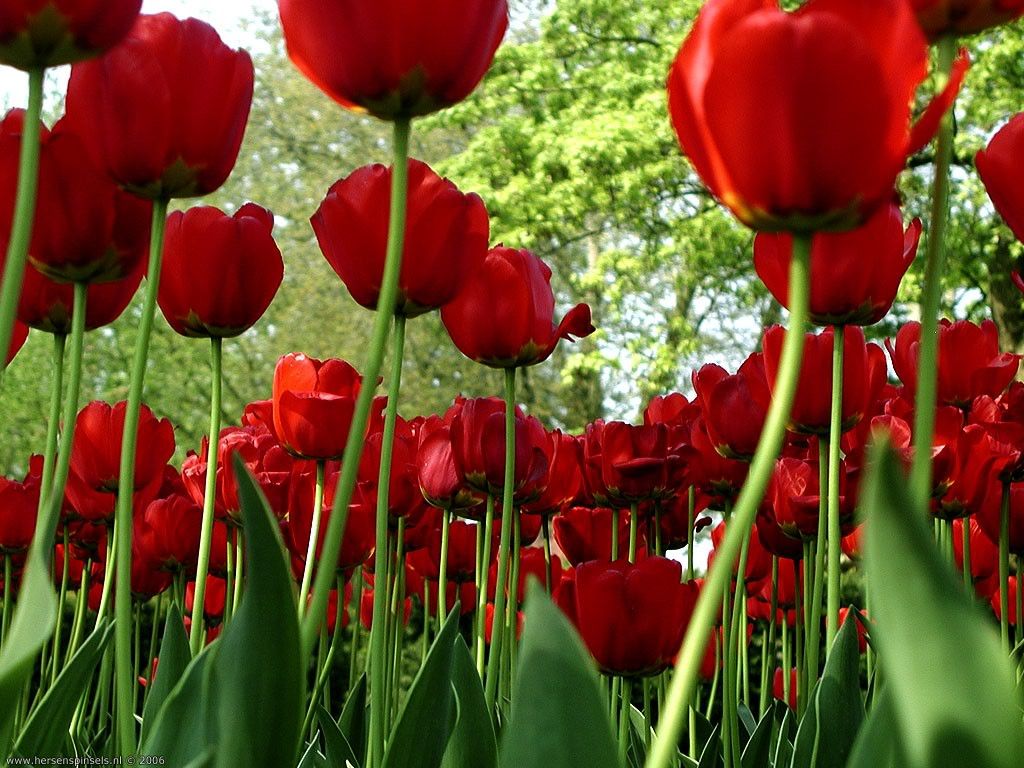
x=35, y=616
x=425, y=722
x=174, y=659
x=473, y=744
x=184, y=728
x=353, y=721
x=876, y=745
x=311, y=758
x=259, y=659
x=709, y=757
x=46, y=731
x=829, y=727
x=951, y=687
x=559, y=718
x=339, y=751
x=747, y=719
x=758, y=749
x=784, y=746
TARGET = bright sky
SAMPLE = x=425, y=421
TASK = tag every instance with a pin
x=224, y=15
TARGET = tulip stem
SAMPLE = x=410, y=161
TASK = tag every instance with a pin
x=5, y=614
x=1004, y=568
x=835, y=434
x=768, y=650
x=354, y=445
x=355, y=621
x=624, y=719
x=925, y=397
x=324, y=672
x=238, y=541
x=483, y=570
x=314, y=535
x=125, y=681
x=633, y=526
x=968, y=571
x=720, y=575
x=65, y=567
x=209, y=496
x=24, y=209
x=442, y=576
x=81, y=601
x=497, y=632
x=691, y=508
x=545, y=522
x=53, y=422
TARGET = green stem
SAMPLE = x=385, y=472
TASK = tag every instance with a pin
x=238, y=540
x=355, y=623
x=5, y=614
x=925, y=397
x=325, y=669
x=719, y=576
x=378, y=632
x=483, y=571
x=125, y=681
x=545, y=522
x=1018, y=625
x=691, y=506
x=965, y=530
x=24, y=209
x=314, y=535
x=615, y=534
x=442, y=580
x=356, y=436
x=835, y=434
x=209, y=495
x=624, y=720
x=81, y=601
x=65, y=566
x=497, y=630
x=818, y=584
x=1004, y=568
x=786, y=663
x=768, y=651
x=633, y=526
x=229, y=581
x=53, y=423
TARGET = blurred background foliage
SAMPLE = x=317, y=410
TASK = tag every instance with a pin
x=569, y=142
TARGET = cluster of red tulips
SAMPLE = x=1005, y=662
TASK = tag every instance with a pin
x=325, y=512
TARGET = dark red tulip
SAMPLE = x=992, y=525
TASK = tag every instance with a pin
x=165, y=111
x=734, y=406
x=797, y=161
x=635, y=463
x=772, y=535
x=984, y=554
x=503, y=317
x=795, y=496
x=999, y=167
x=148, y=579
x=313, y=405
x=632, y=617
x=564, y=478
x=358, y=542
x=988, y=516
x=759, y=560
x=779, y=688
x=584, y=534
x=854, y=275
x=19, y=335
x=439, y=469
x=213, y=600
x=531, y=566
x=864, y=373
x=939, y=18
x=446, y=237
x=394, y=59
x=47, y=305
x=220, y=272
x=167, y=533
x=461, y=553
x=970, y=363
x=36, y=34
x=19, y=501
x=996, y=601
x=404, y=496
x=974, y=476
x=711, y=473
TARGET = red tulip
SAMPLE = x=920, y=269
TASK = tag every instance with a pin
x=19, y=502
x=461, y=553
x=47, y=305
x=779, y=688
x=988, y=516
x=439, y=470
x=939, y=18
x=795, y=495
x=148, y=579
x=772, y=535
x=709, y=471
x=19, y=335
x=531, y=566
x=167, y=533
x=984, y=554
x=823, y=151
x=166, y=110
x=213, y=600
x=854, y=275
x=220, y=272
x=564, y=478
x=313, y=405
x=404, y=496
x=759, y=561
x=394, y=58
x=584, y=534
x=635, y=462
x=974, y=475
x=970, y=363
x=996, y=601
x=734, y=406
x=36, y=34
x=632, y=617
x=864, y=373
x=503, y=316
x=999, y=167
x=446, y=237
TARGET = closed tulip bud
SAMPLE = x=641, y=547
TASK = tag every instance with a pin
x=19, y=501
x=999, y=166
x=168, y=533
x=855, y=275
x=446, y=237
x=584, y=534
x=439, y=470
x=734, y=406
x=394, y=58
x=503, y=317
x=220, y=272
x=796, y=161
x=35, y=34
x=564, y=478
x=358, y=542
x=635, y=462
x=165, y=112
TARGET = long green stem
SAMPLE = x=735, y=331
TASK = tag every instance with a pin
x=925, y=397
x=484, y=541
x=818, y=583
x=65, y=567
x=24, y=209
x=314, y=535
x=354, y=444
x=378, y=633
x=688, y=661
x=1004, y=567
x=634, y=524
x=498, y=630
x=81, y=600
x=624, y=719
x=209, y=496
x=5, y=613
x=442, y=577
x=53, y=423
x=125, y=680
x=835, y=434
x=545, y=522
x=691, y=506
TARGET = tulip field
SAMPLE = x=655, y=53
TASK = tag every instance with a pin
x=809, y=557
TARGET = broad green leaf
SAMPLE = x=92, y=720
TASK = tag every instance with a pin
x=46, y=731
x=952, y=689
x=339, y=751
x=35, y=616
x=184, y=728
x=784, y=746
x=758, y=749
x=876, y=745
x=709, y=757
x=473, y=744
x=830, y=724
x=425, y=722
x=174, y=658
x=353, y=721
x=747, y=719
x=259, y=658
x=311, y=758
x=559, y=718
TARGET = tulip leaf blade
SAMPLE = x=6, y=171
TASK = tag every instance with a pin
x=876, y=745
x=940, y=651
x=183, y=729
x=255, y=666
x=174, y=659
x=756, y=752
x=712, y=750
x=559, y=718
x=425, y=723
x=46, y=731
x=473, y=743
x=353, y=721
x=339, y=751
